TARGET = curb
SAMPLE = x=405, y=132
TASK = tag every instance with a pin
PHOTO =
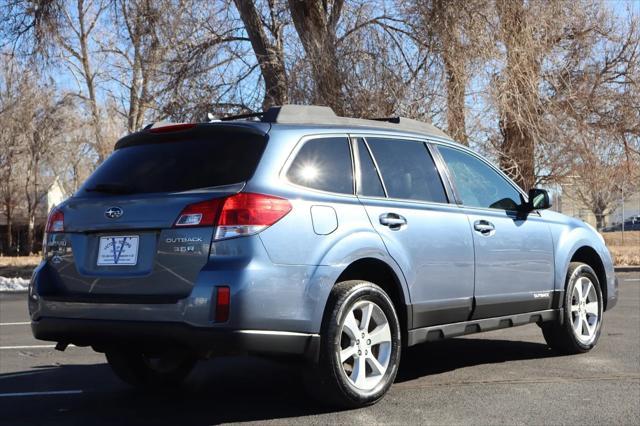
x=619, y=269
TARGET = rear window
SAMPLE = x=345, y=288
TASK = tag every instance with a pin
x=178, y=166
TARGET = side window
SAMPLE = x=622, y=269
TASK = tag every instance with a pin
x=324, y=164
x=369, y=182
x=478, y=184
x=407, y=169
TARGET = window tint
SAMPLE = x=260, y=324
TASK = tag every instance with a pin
x=408, y=170
x=324, y=164
x=369, y=183
x=478, y=184
x=178, y=166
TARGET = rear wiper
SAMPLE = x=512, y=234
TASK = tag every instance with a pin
x=110, y=188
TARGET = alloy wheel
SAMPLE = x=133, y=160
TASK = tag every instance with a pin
x=585, y=310
x=365, y=345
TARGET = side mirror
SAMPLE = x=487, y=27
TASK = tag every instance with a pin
x=538, y=199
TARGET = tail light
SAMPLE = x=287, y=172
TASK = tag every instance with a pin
x=199, y=214
x=55, y=222
x=235, y=216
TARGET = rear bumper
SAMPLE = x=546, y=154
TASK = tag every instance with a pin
x=102, y=334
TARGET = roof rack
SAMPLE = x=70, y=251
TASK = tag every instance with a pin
x=323, y=115
x=235, y=117
x=395, y=120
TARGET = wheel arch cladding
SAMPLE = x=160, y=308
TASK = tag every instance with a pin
x=380, y=273
x=589, y=256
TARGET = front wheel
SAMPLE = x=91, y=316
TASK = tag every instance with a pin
x=360, y=350
x=580, y=329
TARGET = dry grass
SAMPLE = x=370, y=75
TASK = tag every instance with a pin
x=624, y=251
x=13, y=261
x=631, y=238
x=20, y=266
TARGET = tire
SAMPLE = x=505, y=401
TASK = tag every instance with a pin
x=144, y=371
x=371, y=354
x=580, y=328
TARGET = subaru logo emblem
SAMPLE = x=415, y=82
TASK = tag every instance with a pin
x=113, y=212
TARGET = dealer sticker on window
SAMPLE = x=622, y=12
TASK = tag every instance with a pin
x=118, y=250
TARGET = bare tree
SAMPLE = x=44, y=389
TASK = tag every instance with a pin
x=32, y=118
x=518, y=94
x=144, y=51
x=65, y=31
x=37, y=143
x=316, y=23
x=269, y=49
x=602, y=174
x=457, y=32
x=11, y=82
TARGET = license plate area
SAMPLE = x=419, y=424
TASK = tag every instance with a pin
x=119, y=250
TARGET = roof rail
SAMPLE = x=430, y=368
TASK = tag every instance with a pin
x=323, y=115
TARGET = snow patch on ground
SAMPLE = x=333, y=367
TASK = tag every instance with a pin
x=10, y=285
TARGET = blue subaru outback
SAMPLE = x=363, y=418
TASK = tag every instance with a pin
x=299, y=233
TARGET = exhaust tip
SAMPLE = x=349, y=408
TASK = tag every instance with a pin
x=61, y=346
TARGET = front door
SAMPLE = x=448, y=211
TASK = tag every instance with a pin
x=513, y=253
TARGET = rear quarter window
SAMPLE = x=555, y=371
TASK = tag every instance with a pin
x=324, y=164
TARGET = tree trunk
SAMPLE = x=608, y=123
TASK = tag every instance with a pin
x=456, y=85
x=599, y=220
x=9, y=218
x=270, y=56
x=31, y=233
x=134, y=101
x=520, y=101
x=517, y=153
x=316, y=27
x=101, y=150
x=31, y=188
x=448, y=27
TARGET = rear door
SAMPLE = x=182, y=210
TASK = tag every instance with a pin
x=428, y=237
x=121, y=241
x=514, y=254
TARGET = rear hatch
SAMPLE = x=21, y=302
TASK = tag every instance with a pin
x=130, y=233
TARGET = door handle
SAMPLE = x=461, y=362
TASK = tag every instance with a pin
x=392, y=220
x=484, y=227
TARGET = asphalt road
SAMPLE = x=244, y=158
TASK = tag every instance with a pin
x=502, y=377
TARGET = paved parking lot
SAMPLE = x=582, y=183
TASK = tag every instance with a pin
x=502, y=377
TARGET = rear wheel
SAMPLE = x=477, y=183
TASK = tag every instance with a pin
x=150, y=370
x=580, y=329
x=360, y=350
